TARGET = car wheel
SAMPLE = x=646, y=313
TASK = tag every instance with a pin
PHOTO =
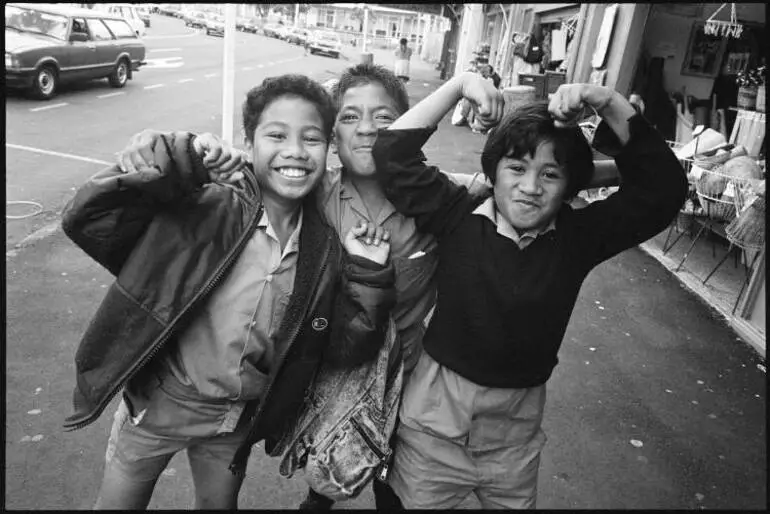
x=336, y=55
x=119, y=76
x=46, y=82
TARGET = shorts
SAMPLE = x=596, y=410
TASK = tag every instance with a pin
x=141, y=444
x=457, y=437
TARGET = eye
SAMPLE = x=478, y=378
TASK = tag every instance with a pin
x=314, y=139
x=385, y=118
x=517, y=168
x=553, y=174
x=278, y=136
x=348, y=117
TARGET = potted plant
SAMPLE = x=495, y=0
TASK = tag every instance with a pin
x=749, y=82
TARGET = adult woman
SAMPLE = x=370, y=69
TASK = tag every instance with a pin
x=403, y=54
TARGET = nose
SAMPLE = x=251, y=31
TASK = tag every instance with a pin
x=530, y=183
x=366, y=126
x=294, y=148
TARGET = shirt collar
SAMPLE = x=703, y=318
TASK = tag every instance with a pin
x=292, y=245
x=349, y=192
x=488, y=210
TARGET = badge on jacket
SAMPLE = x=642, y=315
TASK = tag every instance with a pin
x=319, y=324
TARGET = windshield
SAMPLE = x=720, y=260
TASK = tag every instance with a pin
x=36, y=22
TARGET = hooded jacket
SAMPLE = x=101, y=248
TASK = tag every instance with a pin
x=169, y=235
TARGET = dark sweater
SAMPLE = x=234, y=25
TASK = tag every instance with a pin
x=501, y=312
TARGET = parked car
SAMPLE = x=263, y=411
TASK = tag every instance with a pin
x=283, y=32
x=144, y=14
x=297, y=36
x=253, y=25
x=273, y=30
x=240, y=23
x=47, y=45
x=173, y=10
x=215, y=25
x=195, y=19
x=325, y=42
x=126, y=11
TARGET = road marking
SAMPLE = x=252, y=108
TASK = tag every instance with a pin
x=58, y=154
x=165, y=50
x=191, y=34
x=54, y=106
x=260, y=65
x=154, y=86
x=182, y=81
x=164, y=62
x=270, y=63
x=247, y=68
x=110, y=94
x=209, y=75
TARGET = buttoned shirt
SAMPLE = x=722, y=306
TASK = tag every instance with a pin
x=227, y=352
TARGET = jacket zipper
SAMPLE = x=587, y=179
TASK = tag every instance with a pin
x=295, y=331
x=163, y=337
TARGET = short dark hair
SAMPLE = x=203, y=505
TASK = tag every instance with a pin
x=520, y=133
x=402, y=41
x=363, y=74
x=272, y=88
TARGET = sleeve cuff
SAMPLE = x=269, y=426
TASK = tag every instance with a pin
x=607, y=142
x=402, y=143
x=361, y=269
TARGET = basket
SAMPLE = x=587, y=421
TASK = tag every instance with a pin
x=686, y=163
x=721, y=196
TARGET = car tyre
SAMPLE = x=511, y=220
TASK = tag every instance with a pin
x=336, y=55
x=119, y=75
x=46, y=83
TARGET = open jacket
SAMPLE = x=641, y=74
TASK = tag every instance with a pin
x=169, y=238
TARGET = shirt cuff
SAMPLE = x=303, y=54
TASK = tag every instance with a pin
x=607, y=142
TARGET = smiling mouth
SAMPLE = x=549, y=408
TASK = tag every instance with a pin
x=293, y=173
x=528, y=203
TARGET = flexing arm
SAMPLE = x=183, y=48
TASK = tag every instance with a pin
x=113, y=209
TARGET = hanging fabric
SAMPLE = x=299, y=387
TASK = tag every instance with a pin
x=732, y=28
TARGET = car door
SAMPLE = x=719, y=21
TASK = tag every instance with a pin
x=106, y=47
x=79, y=60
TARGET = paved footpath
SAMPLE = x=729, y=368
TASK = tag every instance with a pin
x=655, y=404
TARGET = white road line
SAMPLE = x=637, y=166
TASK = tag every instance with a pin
x=182, y=81
x=110, y=94
x=192, y=34
x=247, y=68
x=154, y=86
x=209, y=75
x=260, y=65
x=54, y=106
x=165, y=50
x=270, y=63
x=58, y=154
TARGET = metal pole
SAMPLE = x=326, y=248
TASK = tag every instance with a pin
x=296, y=15
x=228, y=74
x=366, y=27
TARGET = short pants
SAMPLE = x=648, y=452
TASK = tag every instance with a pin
x=456, y=437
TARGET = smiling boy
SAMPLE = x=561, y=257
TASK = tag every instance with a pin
x=227, y=296
x=509, y=272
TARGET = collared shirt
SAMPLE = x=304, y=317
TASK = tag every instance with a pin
x=489, y=210
x=227, y=352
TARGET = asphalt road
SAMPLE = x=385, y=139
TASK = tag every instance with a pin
x=655, y=404
x=181, y=88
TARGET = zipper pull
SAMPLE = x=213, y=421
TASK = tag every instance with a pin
x=383, y=476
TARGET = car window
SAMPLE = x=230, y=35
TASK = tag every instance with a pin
x=31, y=20
x=120, y=28
x=79, y=26
x=99, y=31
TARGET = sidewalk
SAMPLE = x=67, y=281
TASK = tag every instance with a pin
x=656, y=404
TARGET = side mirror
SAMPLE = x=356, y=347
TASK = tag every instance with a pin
x=78, y=37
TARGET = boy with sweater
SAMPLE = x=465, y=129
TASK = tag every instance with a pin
x=509, y=270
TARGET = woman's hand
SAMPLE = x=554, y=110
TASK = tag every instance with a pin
x=369, y=241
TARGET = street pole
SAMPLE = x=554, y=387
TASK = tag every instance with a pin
x=296, y=15
x=228, y=74
x=366, y=27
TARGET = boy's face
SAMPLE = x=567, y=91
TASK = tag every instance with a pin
x=363, y=110
x=530, y=190
x=289, y=148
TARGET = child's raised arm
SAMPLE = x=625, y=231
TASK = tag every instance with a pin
x=482, y=93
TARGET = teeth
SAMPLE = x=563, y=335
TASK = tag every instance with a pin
x=292, y=172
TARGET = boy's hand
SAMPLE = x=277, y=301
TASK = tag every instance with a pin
x=368, y=241
x=223, y=162
x=486, y=98
x=570, y=100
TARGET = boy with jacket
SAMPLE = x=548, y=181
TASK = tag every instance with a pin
x=509, y=271
x=368, y=98
x=227, y=296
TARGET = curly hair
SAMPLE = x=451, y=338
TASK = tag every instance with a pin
x=272, y=88
x=521, y=132
x=363, y=74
